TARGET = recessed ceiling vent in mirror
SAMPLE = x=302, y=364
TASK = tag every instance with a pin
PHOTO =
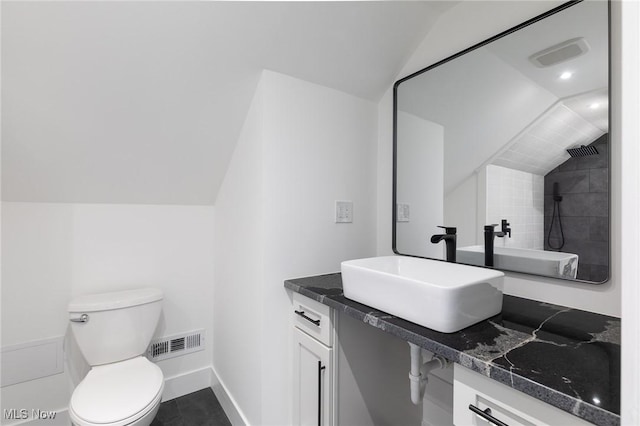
x=560, y=52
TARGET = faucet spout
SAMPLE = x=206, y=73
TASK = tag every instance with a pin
x=435, y=239
x=450, y=241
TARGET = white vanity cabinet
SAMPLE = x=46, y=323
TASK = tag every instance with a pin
x=507, y=405
x=313, y=363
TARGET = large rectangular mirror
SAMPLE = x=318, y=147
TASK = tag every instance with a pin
x=511, y=132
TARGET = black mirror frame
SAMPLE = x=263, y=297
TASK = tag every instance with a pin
x=540, y=17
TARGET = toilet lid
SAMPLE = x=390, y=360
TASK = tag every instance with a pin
x=113, y=392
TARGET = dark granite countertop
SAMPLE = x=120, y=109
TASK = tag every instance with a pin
x=565, y=357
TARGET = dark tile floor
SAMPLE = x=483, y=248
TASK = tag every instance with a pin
x=200, y=408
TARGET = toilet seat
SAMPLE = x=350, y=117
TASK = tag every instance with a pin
x=117, y=394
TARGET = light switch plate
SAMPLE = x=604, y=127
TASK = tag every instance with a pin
x=344, y=211
x=403, y=212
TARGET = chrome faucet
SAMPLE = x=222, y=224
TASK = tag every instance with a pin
x=449, y=238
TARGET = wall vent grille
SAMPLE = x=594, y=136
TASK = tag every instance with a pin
x=176, y=345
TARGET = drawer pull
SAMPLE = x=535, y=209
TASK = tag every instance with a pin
x=320, y=368
x=486, y=414
x=302, y=314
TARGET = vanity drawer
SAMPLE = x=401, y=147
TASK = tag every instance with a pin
x=508, y=405
x=313, y=318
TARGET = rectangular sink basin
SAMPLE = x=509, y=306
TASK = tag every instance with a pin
x=442, y=296
x=540, y=262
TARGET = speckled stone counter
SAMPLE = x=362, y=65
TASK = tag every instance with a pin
x=565, y=357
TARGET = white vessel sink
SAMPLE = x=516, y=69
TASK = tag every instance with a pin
x=540, y=262
x=443, y=296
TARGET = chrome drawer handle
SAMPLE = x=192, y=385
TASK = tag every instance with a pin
x=486, y=414
x=302, y=314
x=83, y=318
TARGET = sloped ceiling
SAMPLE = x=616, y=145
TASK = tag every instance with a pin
x=542, y=146
x=142, y=102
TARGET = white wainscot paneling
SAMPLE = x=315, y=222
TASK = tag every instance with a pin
x=32, y=360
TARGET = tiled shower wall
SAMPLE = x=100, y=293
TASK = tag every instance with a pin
x=518, y=197
x=583, y=183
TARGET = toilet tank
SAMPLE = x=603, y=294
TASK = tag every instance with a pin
x=119, y=325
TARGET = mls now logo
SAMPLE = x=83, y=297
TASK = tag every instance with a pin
x=15, y=414
x=23, y=413
x=43, y=415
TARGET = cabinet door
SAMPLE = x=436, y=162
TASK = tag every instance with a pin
x=313, y=381
x=505, y=404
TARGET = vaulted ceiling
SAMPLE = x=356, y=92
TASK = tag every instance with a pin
x=142, y=102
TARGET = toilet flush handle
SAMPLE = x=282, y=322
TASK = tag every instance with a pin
x=83, y=318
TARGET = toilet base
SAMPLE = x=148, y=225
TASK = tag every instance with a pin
x=147, y=418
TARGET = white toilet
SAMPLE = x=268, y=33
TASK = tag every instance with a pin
x=113, y=331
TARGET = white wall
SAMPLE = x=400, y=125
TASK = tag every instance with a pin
x=627, y=87
x=462, y=206
x=239, y=268
x=422, y=159
x=460, y=27
x=518, y=197
x=53, y=252
x=303, y=146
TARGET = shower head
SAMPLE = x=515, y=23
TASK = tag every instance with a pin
x=583, y=151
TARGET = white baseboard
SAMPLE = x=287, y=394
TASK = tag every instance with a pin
x=186, y=383
x=228, y=403
x=196, y=380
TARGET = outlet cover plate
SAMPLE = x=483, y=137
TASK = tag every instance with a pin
x=344, y=211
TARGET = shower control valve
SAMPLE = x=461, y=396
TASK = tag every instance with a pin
x=505, y=228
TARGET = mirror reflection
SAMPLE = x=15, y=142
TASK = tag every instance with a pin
x=506, y=146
